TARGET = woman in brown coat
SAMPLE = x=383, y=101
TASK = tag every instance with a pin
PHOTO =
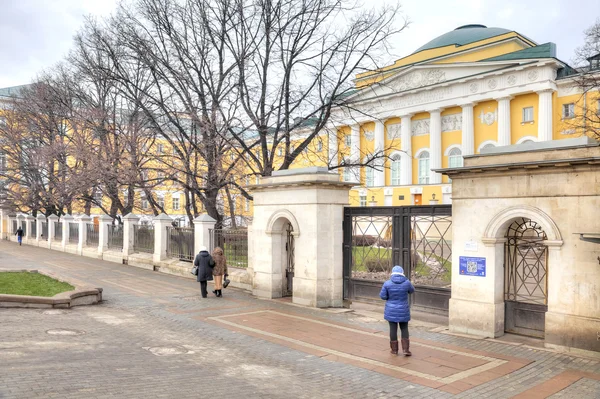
x=219, y=270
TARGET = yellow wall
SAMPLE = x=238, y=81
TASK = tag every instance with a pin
x=483, y=132
x=518, y=129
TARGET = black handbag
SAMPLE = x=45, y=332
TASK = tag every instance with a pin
x=226, y=282
x=195, y=270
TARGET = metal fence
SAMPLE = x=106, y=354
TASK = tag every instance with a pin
x=143, y=238
x=92, y=235
x=44, y=230
x=24, y=227
x=234, y=244
x=57, y=231
x=73, y=232
x=180, y=243
x=115, y=237
x=14, y=226
x=33, y=229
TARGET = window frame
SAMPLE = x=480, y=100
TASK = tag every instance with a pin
x=423, y=166
x=362, y=200
x=175, y=203
x=396, y=170
x=570, y=107
x=524, y=115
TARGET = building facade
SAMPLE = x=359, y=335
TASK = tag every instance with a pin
x=459, y=94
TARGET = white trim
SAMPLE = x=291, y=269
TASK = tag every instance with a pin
x=522, y=139
x=416, y=156
x=397, y=152
x=498, y=225
x=495, y=143
x=450, y=148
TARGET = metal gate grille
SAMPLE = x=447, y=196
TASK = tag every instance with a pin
x=290, y=263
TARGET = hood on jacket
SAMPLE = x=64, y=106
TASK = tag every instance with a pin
x=398, y=275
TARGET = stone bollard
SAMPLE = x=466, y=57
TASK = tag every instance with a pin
x=51, y=220
x=203, y=225
x=66, y=219
x=129, y=221
x=29, y=237
x=161, y=222
x=105, y=221
x=83, y=222
x=39, y=220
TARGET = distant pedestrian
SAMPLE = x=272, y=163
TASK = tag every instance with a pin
x=219, y=270
x=205, y=264
x=397, y=309
x=19, y=234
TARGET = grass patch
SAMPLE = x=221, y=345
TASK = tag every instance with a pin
x=361, y=255
x=34, y=284
x=423, y=270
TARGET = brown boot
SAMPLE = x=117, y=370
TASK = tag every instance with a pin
x=394, y=347
x=406, y=346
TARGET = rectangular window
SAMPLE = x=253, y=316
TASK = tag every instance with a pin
x=363, y=200
x=568, y=110
x=98, y=195
x=160, y=174
x=160, y=201
x=348, y=140
x=2, y=163
x=369, y=176
x=175, y=203
x=144, y=203
x=528, y=114
x=159, y=148
x=424, y=171
x=247, y=207
x=347, y=174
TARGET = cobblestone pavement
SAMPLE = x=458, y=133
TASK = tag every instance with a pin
x=154, y=337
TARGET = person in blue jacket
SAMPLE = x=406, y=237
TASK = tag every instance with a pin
x=397, y=309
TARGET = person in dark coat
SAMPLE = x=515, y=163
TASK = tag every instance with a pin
x=19, y=234
x=397, y=309
x=205, y=264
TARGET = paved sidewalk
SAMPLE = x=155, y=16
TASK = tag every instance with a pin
x=154, y=337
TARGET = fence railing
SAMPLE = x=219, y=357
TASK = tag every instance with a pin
x=24, y=227
x=180, y=243
x=73, y=232
x=234, y=244
x=92, y=235
x=14, y=226
x=115, y=237
x=143, y=238
x=33, y=229
x=57, y=231
x=45, y=230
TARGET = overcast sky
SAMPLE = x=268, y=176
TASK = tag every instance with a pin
x=35, y=34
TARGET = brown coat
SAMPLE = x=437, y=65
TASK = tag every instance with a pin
x=220, y=262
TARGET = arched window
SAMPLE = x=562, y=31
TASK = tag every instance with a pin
x=395, y=169
x=424, y=168
x=487, y=146
x=347, y=172
x=455, y=159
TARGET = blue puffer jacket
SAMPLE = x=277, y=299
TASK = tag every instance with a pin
x=395, y=292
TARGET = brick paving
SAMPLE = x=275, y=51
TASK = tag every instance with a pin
x=154, y=337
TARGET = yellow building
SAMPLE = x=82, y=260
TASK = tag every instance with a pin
x=466, y=91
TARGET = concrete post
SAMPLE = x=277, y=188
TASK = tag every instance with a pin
x=105, y=221
x=29, y=221
x=51, y=232
x=38, y=229
x=160, y=236
x=3, y=224
x=20, y=222
x=83, y=222
x=129, y=221
x=202, y=226
x=66, y=219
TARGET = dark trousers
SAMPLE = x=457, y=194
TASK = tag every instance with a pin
x=394, y=330
x=203, y=290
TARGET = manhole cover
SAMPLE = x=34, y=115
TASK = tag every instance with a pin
x=167, y=350
x=54, y=311
x=65, y=332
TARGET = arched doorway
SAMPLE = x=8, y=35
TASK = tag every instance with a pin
x=525, y=278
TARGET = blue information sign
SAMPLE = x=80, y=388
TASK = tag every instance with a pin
x=469, y=266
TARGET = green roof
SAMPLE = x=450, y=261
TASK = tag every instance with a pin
x=463, y=35
x=11, y=91
x=546, y=50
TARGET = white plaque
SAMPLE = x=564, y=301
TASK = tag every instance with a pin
x=471, y=246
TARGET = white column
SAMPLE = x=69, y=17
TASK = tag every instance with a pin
x=406, y=147
x=83, y=222
x=355, y=152
x=66, y=219
x=203, y=224
x=504, y=121
x=29, y=221
x=545, y=115
x=160, y=236
x=468, y=130
x=103, y=224
x=379, y=172
x=333, y=146
x=38, y=228
x=435, y=145
x=3, y=221
x=129, y=221
x=51, y=230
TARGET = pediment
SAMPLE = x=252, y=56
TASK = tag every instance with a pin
x=421, y=76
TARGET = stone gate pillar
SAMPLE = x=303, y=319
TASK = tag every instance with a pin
x=298, y=214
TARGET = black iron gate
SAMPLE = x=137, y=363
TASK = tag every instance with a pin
x=289, y=269
x=525, y=278
x=416, y=237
